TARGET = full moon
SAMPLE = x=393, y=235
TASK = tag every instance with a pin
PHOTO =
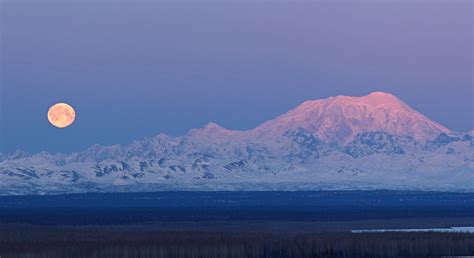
x=61, y=115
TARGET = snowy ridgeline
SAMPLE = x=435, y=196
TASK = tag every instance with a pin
x=371, y=142
x=295, y=161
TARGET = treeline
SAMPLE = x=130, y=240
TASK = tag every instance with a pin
x=100, y=242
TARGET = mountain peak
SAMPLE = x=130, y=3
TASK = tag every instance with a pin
x=18, y=154
x=209, y=127
x=381, y=94
x=213, y=126
x=373, y=98
x=383, y=98
x=212, y=131
x=340, y=119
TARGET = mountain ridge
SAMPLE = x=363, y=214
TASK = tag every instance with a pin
x=426, y=129
x=371, y=142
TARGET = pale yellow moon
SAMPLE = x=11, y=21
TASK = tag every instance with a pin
x=61, y=115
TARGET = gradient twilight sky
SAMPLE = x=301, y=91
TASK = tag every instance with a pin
x=137, y=68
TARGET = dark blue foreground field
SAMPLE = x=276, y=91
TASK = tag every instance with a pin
x=160, y=207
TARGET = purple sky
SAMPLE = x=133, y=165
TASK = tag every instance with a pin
x=137, y=68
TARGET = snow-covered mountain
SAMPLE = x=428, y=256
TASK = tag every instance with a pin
x=370, y=142
x=340, y=119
